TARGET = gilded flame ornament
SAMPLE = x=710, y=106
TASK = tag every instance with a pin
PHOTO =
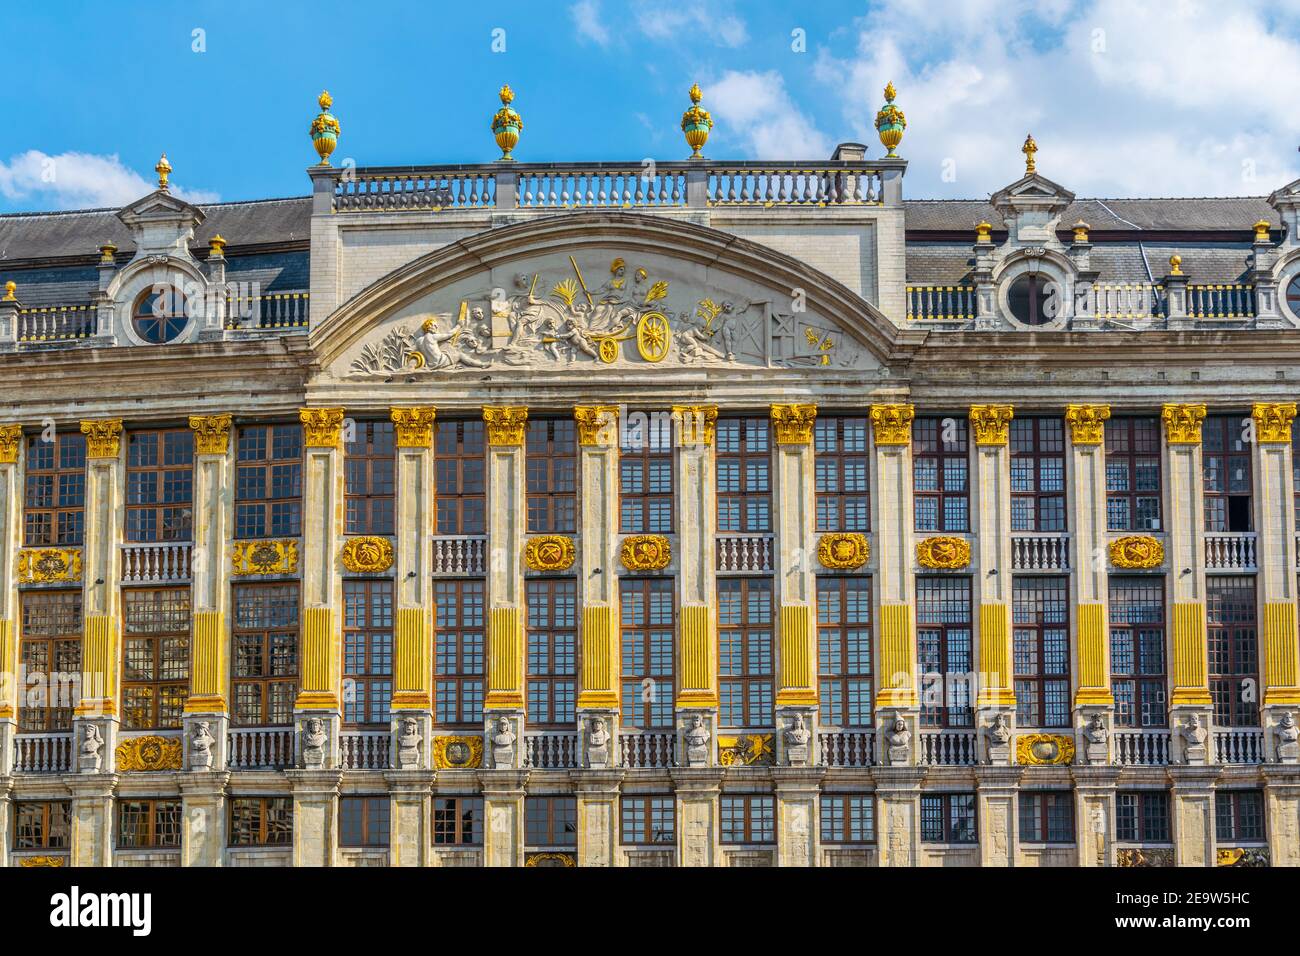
x=991, y=423
x=507, y=124
x=369, y=554
x=890, y=123
x=892, y=424
x=324, y=129
x=211, y=434
x=1029, y=149
x=696, y=123
x=645, y=552
x=49, y=565
x=1137, y=551
x=793, y=424
x=1045, y=749
x=943, y=553
x=549, y=552
x=1273, y=421
x=1087, y=423
x=264, y=557
x=148, y=754
x=163, y=169
x=843, y=551
x=505, y=424
x=1183, y=423
x=458, y=752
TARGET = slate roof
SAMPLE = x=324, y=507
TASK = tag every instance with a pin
x=1210, y=214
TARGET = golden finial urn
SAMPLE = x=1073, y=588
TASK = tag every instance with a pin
x=890, y=123
x=696, y=123
x=1029, y=149
x=507, y=124
x=324, y=129
x=163, y=169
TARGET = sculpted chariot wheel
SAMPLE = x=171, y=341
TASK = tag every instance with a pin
x=653, y=336
x=608, y=350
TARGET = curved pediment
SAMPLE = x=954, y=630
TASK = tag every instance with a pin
x=606, y=291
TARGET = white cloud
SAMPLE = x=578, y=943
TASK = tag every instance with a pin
x=755, y=109
x=80, y=181
x=1124, y=97
x=700, y=21
x=586, y=17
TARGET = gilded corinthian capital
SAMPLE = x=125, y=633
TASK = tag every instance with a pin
x=322, y=427
x=793, y=424
x=1273, y=421
x=414, y=426
x=211, y=434
x=1183, y=423
x=1087, y=423
x=103, y=437
x=892, y=424
x=597, y=424
x=505, y=424
x=990, y=423
x=11, y=440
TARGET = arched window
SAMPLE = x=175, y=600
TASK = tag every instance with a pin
x=158, y=317
x=1029, y=297
x=1293, y=295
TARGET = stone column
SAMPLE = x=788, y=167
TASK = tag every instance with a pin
x=1279, y=650
x=203, y=815
x=694, y=427
x=898, y=827
x=322, y=586
x=91, y=842
x=991, y=508
x=796, y=581
x=413, y=631
x=598, y=691
x=1185, y=519
x=411, y=820
x=503, y=816
x=507, y=522
x=896, y=690
x=995, y=814
x=315, y=816
x=697, y=790
x=797, y=791
x=1094, y=814
x=6, y=816
x=100, y=575
x=1090, y=589
x=1193, y=815
x=597, y=796
x=11, y=521
x=213, y=523
x=1282, y=806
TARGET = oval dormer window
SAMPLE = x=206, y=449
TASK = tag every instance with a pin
x=157, y=318
x=1034, y=299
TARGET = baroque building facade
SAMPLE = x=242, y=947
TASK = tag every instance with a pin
x=703, y=514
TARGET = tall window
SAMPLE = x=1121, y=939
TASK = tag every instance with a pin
x=550, y=821
x=261, y=821
x=948, y=818
x=268, y=481
x=363, y=821
x=160, y=485
x=367, y=652
x=148, y=823
x=54, y=507
x=458, y=821
x=645, y=470
x=844, y=650
x=648, y=623
x=748, y=819
x=744, y=464
x=264, y=673
x=1133, y=474
x=51, y=660
x=1037, y=474
x=745, y=654
x=459, y=454
x=368, y=468
x=944, y=645
x=552, y=652
x=1041, y=619
x=840, y=443
x=648, y=820
x=848, y=818
x=459, y=634
x=1234, y=650
x=1225, y=461
x=1142, y=816
x=1137, y=651
x=941, y=474
x=155, y=657
x=42, y=825
x=1047, y=816
x=551, y=462
x=1239, y=816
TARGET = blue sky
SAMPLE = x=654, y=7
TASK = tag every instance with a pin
x=1125, y=97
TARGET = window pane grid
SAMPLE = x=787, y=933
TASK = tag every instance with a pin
x=459, y=638
x=1037, y=474
x=50, y=659
x=368, y=468
x=745, y=652
x=841, y=466
x=1041, y=651
x=264, y=665
x=460, y=462
x=55, y=498
x=744, y=472
x=155, y=657
x=550, y=465
x=940, y=474
x=268, y=481
x=944, y=648
x=646, y=478
x=1133, y=476
x=552, y=653
x=844, y=650
x=1233, y=639
x=648, y=616
x=367, y=653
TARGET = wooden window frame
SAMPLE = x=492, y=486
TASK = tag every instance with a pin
x=460, y=469
x=552, y=652
x=155, y=834
x=1131, y=808
x=1032, y=686
x=749, y=635
x=266, y=679
x=263, y=807
x=460, y=651
x=642, y=647
x=159, y=485
x=62, y=656
x=735, y=440
x=643, y=500
x=841, y=444
x=554, y=815
x=1039, y=805
x=949, y=816
x=370, y=824
x=1226, y=432
x=259, y=511
x=551, y=475
x=450, y=819
x=939, y=628
x=46, y=810
x=1130, y=431
x=1129, y=623
x=934, y=449
x=839, y=677
x=370, y=479
x=837, y=822
x=1235, y=801
x=1031, y=439
x=1234, y=643
x=756, y=829
x=367, y=652
x=156, y=688
x=641, y=816
x=54, y=492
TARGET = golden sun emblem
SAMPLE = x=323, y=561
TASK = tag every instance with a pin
x=653, y=336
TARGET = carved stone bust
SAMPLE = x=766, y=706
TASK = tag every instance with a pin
x=1287, y=735
x=201, y=741
x=1194, y=737
x=900, y=743
x=503, y=744
x=91, y=753
x=408, y=745
x=597, y=743
x=697, y=743
x=796, y=742
x=314, y=738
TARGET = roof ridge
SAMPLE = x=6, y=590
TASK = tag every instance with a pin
x=81, y=212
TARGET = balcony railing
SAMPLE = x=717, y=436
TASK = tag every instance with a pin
x=797, y=184
x=364, y=749
x=550, y=749
x=43, y=753
x=459, y=554
x=744, y=553
x=1230, y=551
x=1142, y=748
x=274, y=310
x=940, y=303
x=162, y=562
x=1041, y=551
x=647, y=751
x=260, y=748
x=632, y=186
x=948, y=748
x=847, y=748
x=1234, y=301
x=398, y=190
x=1245, y=745
x=56, y=323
